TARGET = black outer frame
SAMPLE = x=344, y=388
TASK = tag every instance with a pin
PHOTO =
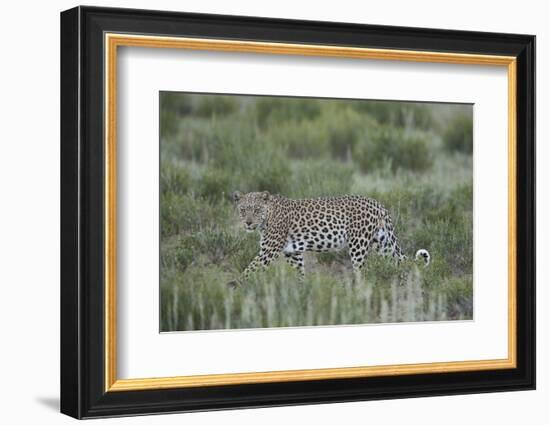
x=82, y=217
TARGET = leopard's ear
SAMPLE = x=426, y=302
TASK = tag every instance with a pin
x=236, y=195
x=266, y=195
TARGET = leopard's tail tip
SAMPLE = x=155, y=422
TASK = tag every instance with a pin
x=424, y=255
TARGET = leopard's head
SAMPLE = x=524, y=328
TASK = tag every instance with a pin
x=253, y=208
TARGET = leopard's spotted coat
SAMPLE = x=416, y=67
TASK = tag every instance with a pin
x=293, y=226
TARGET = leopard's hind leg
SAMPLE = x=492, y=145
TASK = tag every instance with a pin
x=359, y=247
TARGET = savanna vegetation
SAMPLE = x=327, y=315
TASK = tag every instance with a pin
x=416, y=158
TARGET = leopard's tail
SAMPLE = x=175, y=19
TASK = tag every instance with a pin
x=424, y=255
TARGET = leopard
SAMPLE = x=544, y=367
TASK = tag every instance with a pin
x=291, y=227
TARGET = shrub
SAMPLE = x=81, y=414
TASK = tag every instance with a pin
x=305, y=139
x=320, y=178
x=216, y=242
x=235, y=144
x=383, y=268
x=398, y=148
x=243, y=160
x=332, y=134
x=186, y=214
x=213, y=139
x=458, y=294
x=447, y=230
x=210, y=106
x=173, y=106
x=191, y=142
x=272, y=176
x=174, y=178
x=344, y=128
x=458, y=135
x=276, y=110
x=215, y=184
x=412, y=116
x=177, y=252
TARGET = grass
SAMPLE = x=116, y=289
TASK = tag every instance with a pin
x=276, y=299
x=403, y=154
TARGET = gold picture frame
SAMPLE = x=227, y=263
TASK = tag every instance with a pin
x=114, y=41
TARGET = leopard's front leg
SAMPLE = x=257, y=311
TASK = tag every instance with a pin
x=296, y=261
x=271, y=246
x=263, y=259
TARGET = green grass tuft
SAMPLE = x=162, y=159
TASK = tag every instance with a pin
x=459, y=134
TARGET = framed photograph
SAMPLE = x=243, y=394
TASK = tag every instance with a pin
x=261, y=212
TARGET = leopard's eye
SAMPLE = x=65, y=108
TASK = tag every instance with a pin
x=257, y=210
